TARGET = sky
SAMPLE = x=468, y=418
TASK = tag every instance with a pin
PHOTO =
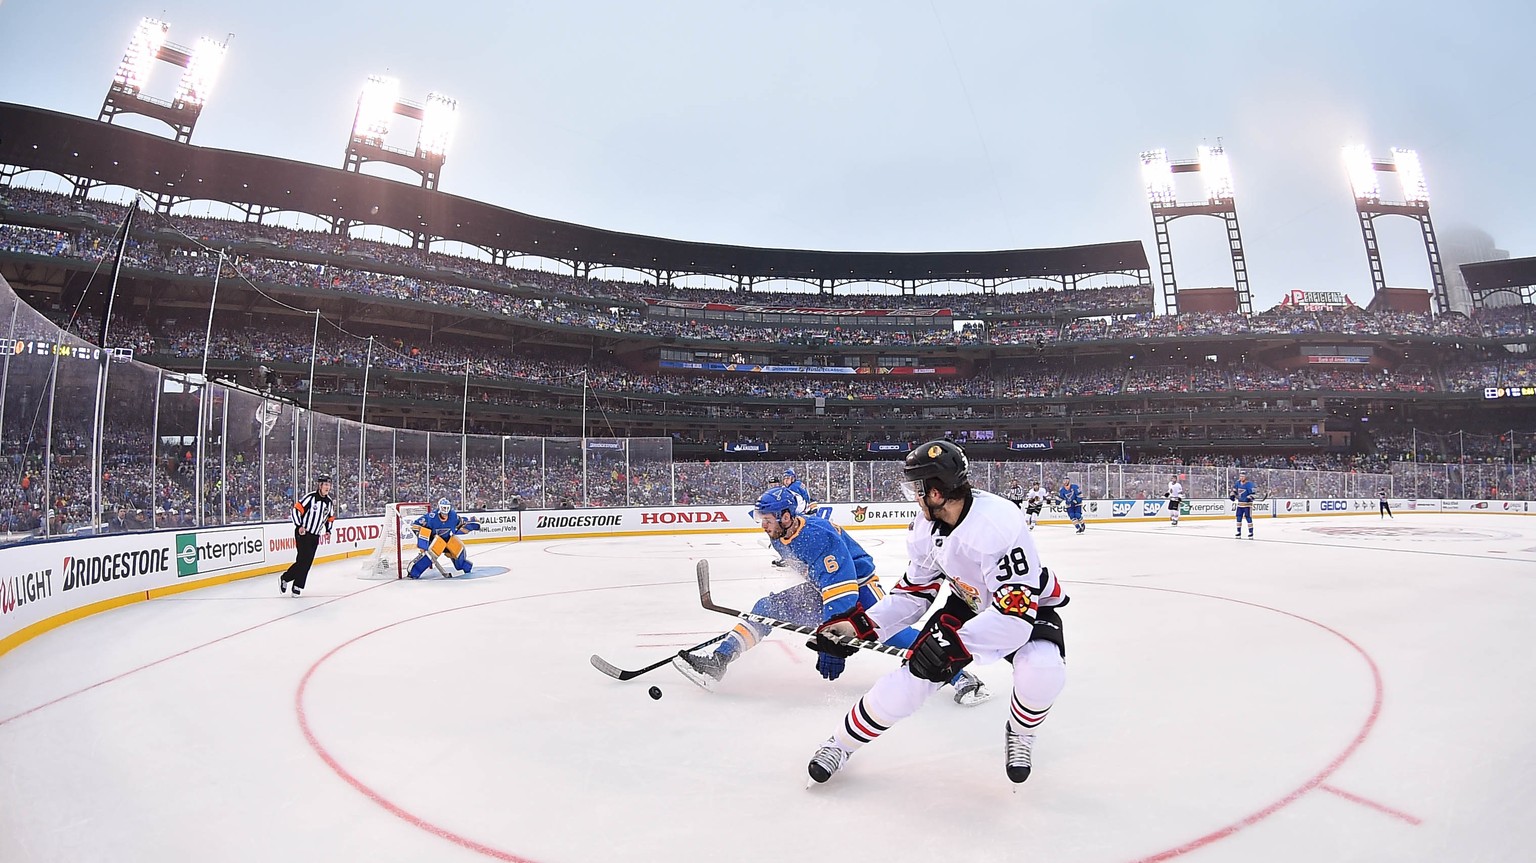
x=904, y=125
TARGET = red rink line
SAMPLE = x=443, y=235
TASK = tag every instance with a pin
x=1310, y=784
x=116, y=677
x=1179, y=851
x=358, y=785
x=1379, y=807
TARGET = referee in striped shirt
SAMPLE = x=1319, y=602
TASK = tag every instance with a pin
x=312, y=516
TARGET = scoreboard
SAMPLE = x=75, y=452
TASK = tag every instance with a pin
x=45, y=348
x=1520, y=392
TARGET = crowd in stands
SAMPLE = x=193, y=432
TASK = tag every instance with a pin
x=224, y=232
x=148, y=483
x=351, y=256
x=275, y=342
x=553, y=310
x=145, y=487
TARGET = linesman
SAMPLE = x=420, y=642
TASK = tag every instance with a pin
x=312, y=515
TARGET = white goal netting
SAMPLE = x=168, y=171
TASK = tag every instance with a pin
x=397, y=542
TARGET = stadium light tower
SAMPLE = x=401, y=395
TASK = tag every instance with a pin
x=126, y=95
x=1365, y=185
x=147, y=46
x=1216, y=171
x=377, y=107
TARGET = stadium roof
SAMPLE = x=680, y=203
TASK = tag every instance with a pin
x=1511, y=274
x=35, y=138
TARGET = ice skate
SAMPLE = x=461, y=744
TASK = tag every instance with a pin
x=1018, y=746
x=829, y=759
x=705, y=669
x=969, y=690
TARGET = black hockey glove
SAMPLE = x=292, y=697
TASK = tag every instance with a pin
x=853, y=623
x=939, y=654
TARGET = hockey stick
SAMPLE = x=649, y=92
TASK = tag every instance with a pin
x=702, y=570
x=437, y=562
x=618, y=673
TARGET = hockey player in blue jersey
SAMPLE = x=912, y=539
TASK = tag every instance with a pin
x=437, y=533
x=1072, y=498
x=1242, y=494
x=840, y=582
x=808, y=507
x=808, y=502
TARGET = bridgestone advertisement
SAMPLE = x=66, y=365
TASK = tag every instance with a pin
x=44, y=579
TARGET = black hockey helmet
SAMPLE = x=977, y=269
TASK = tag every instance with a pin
x=940, y=460
x=321, y=478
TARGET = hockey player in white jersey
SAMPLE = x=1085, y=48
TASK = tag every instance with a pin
x=1175, y=500
x=1002, y=605
x=1034, y=502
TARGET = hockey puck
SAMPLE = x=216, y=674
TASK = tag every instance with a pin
x=655, y=692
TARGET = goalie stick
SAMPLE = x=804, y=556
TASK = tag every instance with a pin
x=436, y=562
x=618, y=673
x=702, y=571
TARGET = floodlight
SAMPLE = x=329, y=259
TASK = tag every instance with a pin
x=1411, y=173
x=376, y=107
x=1217, y=173
x=203, y=68
x=1157, y=174
x=1362, y=173
x=139, y=59
x=438, y=119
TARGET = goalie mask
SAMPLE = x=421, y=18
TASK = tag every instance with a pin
x=444, y=507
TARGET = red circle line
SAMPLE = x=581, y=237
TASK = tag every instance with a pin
x=1178, y=851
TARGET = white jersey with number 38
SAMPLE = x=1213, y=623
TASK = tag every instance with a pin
x=989, y=560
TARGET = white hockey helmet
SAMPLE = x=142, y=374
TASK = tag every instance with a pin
x=444, y=507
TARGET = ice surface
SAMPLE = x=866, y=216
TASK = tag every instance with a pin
x=1338, y=689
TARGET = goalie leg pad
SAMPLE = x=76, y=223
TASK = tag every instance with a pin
x=420, y=565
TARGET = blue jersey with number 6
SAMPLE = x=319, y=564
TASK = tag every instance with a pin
x=836, y=564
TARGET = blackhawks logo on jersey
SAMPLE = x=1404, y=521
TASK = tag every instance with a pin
x=1015, y=600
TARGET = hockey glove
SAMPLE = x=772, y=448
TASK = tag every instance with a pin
x=853, y=623
x=830, y=665
x=939, y=654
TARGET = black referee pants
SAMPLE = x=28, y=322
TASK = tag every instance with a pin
x=305, y=544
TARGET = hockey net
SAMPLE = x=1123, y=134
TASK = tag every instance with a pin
x=397, y=541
